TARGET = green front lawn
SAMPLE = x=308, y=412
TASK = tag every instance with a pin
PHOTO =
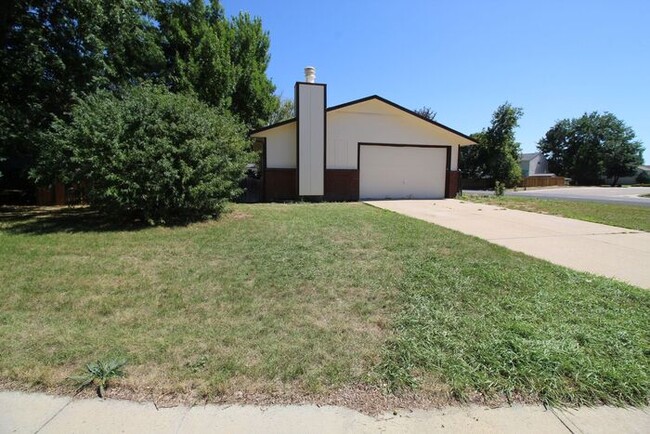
x=624, y=216
x=309, y=300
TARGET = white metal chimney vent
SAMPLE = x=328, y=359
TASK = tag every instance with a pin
x=310, y=74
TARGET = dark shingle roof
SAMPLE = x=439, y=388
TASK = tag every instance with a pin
x=529, y=156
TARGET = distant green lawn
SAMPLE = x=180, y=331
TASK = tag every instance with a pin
x=624, y=216
x=307, y=299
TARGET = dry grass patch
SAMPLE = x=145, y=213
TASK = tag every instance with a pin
x=276, y=294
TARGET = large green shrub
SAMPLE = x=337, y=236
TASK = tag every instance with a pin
x=147, y=153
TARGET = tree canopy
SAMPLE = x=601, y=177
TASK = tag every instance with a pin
x=222, y=61
x=592, y=147
x=426, y=112
x=285, y=110
x=54, y=50
x=496, y=156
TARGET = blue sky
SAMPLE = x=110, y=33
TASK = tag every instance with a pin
x=555, y=59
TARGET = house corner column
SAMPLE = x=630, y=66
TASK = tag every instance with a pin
x=452, y=183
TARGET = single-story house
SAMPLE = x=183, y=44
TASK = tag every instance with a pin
x=633, y=179
x=533, y=164
x=369, y=148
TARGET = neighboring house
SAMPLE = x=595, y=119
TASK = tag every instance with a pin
x=628, y=180
x=533, y=164
x=370, y=148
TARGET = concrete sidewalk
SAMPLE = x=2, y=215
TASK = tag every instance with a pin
x=622, y=254
x=40, y=413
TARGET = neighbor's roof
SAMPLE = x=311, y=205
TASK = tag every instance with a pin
x=368, y=98
x=529, y=156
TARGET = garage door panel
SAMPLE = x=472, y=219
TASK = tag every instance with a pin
x=402, y=172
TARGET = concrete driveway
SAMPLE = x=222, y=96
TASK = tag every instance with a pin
x=609, y=251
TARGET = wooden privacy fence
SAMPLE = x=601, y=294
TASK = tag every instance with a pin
x=543, y=181
x=60, y=194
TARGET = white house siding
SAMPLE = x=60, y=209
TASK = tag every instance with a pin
x=311, y=134
x=376, y=122
x=535, y=166
x=280, y=146
x=538, y=165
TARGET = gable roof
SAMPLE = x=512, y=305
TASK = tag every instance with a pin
x=528, y=156
x=362, y=100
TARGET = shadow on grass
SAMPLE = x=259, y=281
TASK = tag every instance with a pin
x=45, y=220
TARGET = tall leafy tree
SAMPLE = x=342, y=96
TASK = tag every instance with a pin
x=223, y=62
x=555, y=147
x=472, y=159
x=592, y=147
x=426, y=112
x=196, y=42
x=253, y=99
x=497, y=154
x=285, y=110
x=53, y=49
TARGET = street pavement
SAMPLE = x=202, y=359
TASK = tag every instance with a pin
x=613, y=195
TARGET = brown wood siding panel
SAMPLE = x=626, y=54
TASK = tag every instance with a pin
x=452, y=183
x=342, y=184
x=280, y=184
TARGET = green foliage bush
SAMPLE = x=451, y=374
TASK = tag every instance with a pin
x=496, y=154
x=149, y=154
x=499, y=188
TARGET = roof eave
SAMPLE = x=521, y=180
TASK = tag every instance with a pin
x=270, y=127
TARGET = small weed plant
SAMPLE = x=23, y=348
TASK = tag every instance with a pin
x=499, y=188
x=98, y=373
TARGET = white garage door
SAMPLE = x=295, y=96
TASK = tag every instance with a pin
x=401, y=172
